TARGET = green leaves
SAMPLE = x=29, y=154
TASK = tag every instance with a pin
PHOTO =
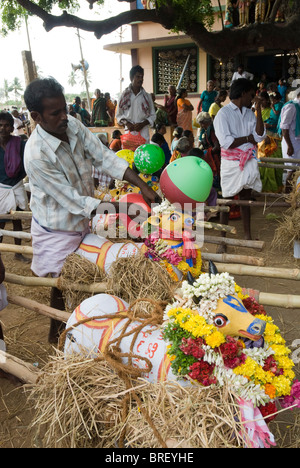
x=13, y=14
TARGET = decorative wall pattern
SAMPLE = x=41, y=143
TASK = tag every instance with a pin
x=169, y=64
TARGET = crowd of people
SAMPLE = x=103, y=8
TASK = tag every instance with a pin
x=61, y=156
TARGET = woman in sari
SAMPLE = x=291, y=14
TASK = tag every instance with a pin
x=185, y=108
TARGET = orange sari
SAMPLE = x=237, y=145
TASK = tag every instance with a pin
x=184, y=117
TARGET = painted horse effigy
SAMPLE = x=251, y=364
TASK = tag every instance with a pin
x=211, y=335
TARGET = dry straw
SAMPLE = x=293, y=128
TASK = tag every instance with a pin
x=80, y=404
x=289, y=227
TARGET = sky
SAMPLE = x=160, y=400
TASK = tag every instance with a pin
x=55, y=51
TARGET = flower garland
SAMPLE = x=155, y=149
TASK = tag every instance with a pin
x=199, y=351
x=160, y=251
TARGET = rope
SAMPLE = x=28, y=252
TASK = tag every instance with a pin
x=113, y=355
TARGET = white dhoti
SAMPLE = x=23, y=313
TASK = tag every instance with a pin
x=51, y=248
x=235, y=178
x=12, y=198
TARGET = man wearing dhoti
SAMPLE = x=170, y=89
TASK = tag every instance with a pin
x=12, y=191
x=59, y=157
x=238, y=131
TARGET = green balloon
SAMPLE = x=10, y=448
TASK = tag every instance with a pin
x=192, y=176
x=149, y=158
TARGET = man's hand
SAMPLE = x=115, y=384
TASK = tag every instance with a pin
x=149, y=195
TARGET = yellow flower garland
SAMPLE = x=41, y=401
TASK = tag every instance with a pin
x=274, y=385
x=184, y=267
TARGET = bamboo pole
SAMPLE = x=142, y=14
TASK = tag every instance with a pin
x=10, y=248
x=262, y=272
x=33, y=281
x=292, y=160
x=40, y=308
x=228, y=258
x=252, y=203
x=20, y=369
x=216, y=226
x=288, y=301
x=259, y=245
x=279, y=166
x=14, y=215
x=16, y=234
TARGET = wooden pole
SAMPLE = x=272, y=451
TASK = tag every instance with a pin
x=252, y=203
x=216, y=226
x=259, y=245
x=291, y=160
x=20, y=369
x=33, y=281
x=14, y=215
x=10, y=248
x=40, y=308
x=279, y=166
x=262, y=272
x=245, y=259
x=287, y=301
x=16, y=234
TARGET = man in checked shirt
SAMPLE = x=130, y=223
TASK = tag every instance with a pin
x=58, y=159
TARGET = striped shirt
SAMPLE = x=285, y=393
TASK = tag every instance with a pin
x=60, y=175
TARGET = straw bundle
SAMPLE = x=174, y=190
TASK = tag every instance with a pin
x=288, y=230
x=136, y=277
x=78, y=270
x=82, y=404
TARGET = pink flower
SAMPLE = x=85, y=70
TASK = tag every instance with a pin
x=293, y=398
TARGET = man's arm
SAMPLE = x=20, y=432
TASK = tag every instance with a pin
x=286, y=136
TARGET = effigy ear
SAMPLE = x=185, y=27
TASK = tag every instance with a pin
x=212, y=269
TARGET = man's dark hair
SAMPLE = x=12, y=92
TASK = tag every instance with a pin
x=6, y=116
x=158, y=138
x=40, y=89
x=240, y=86
x=136, y=69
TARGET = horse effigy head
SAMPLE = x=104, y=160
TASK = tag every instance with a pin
x=217, y=300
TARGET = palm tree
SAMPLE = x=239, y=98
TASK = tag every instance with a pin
x=16, y=86
x=5, y=90
x=72, y=78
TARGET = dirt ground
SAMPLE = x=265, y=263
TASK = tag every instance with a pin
x=26, y=333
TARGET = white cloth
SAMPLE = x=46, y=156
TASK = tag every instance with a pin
x=3, y=297
x=18, y=131
x=51, y=248
x=245, y=74
x=12, y=198
x=136, y=114
x=233, y=180
x=231, y=123
x=288, y=122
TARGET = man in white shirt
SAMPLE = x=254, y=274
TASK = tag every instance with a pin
x=289, y=124
x=135, y=110
x=59, y=157
x=238, y=131
x=18, y=124
x=241, y=73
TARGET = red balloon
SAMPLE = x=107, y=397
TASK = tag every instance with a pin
x=136, y=198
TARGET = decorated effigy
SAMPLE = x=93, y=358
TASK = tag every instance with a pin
x=210, y=335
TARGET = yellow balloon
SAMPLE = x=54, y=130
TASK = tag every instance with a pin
x=128, y=155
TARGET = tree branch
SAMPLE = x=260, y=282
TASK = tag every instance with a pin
x=100, y=28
